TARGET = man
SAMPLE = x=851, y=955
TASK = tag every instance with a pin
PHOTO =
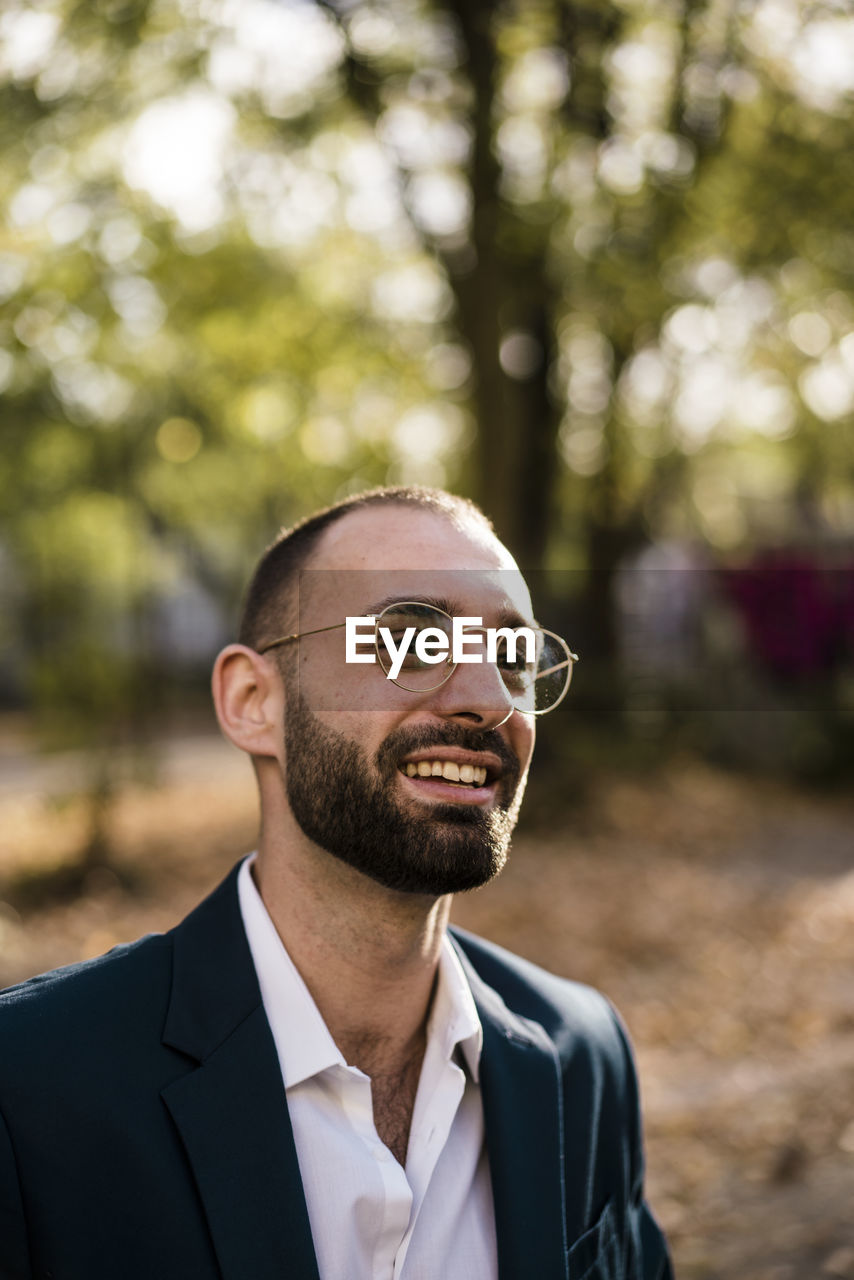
x=310, y=1077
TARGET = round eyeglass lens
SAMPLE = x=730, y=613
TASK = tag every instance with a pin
x=537, y=676
x=554, y=672
x=426, y=633
x=537, y=680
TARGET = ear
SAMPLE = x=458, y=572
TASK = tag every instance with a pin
x=249, y=698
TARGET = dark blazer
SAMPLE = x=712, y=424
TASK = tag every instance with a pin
x=144, y=1129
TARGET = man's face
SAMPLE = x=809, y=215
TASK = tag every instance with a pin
x=350, y=733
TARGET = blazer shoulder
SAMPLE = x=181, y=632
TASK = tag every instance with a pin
x=94, y=1000
x=114, y=1010
x=572, y=1013
x=84, y=976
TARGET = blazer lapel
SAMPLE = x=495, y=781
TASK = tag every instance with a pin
x=523, y=1113
x=231, y=1110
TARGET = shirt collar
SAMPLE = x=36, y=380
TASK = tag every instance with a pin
x=453, y=1017
x=303, y=1042
x=290, y=1007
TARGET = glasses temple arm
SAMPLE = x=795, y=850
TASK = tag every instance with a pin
x=559, y=666
x=299, y=635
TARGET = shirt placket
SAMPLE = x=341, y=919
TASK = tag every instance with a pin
x=433, y=1118
x=394, y=1202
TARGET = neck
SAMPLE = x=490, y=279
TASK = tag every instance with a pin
x=367, y=954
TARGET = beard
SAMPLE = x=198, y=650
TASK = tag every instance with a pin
x=345, y=803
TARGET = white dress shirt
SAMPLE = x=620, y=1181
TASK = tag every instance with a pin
x=370, y=1218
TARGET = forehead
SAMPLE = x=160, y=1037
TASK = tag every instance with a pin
x=376, y=553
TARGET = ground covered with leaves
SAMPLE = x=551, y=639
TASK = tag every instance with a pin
x=715, y=911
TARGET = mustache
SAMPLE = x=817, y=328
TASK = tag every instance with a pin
x=421, y=738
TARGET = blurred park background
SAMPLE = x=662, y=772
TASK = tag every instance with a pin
x=589, y=263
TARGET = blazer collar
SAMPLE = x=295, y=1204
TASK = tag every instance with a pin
x=230, y=1109
x=523, y=1114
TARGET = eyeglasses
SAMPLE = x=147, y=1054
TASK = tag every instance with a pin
x=537, y=676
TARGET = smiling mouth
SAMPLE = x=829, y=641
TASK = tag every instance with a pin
x=470, y=776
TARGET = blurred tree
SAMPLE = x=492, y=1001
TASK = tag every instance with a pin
x=596, y=180
x=174, y=383
x=591, y=262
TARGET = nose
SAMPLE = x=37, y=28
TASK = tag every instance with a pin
x=475, y=694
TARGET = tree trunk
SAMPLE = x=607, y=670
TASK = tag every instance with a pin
x=502, y=288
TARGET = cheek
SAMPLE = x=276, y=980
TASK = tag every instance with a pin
x=350, y=692
x=331, y=689
x=366, y=725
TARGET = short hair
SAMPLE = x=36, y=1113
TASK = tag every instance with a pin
x=266, y=597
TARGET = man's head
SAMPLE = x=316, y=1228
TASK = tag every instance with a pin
x=335, y=743
x=271, y=598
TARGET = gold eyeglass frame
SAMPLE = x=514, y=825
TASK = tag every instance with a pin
x=450, y=665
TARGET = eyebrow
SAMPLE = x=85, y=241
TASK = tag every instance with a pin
x=506, y=617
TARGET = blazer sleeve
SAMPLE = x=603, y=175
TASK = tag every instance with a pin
x=654, y=1253
x=648, y=1254
x=14, y=1249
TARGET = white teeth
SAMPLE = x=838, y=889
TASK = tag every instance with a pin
x=448, y=769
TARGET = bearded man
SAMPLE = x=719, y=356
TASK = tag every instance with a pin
x=312, y=1077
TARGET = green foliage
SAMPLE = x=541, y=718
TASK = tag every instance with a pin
x=592, y=262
